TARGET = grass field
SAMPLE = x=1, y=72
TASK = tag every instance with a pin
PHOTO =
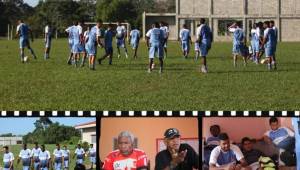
x=15, y=149
x=126, y=85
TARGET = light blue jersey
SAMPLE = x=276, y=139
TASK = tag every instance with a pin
x=44, y=157
x=238, y=41
x=92, y=41
x=219, y=157
x=23, y=30
x=296, y=125
x=74, y=31
x=281, y=137
x=185, y=39
x=270, y=45
x=205, y=37
x=134, y=38
x=156, y=36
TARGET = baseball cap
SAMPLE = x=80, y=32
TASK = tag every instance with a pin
x=172, y=132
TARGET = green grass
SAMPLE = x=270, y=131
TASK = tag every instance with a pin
x=53, y=85
x=15, y=149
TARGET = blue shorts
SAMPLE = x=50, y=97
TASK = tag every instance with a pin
x=91, y=49
x=134, y=45
x=120, y=42
x=204, y=48
x=26, y=167
x=81, y=48
x=197, y=47
x=93, y=160
x=255, y=47
x=156, y=49
x=108, y=50
x=269, y=51
x=24, y=42
x=48, y=43
x=185, y=46
x=57, y=165
x=239, y=49
x=36, y=165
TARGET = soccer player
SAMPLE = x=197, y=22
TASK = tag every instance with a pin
x=85, y=39
x=23, y=32
x=66, y=155
x=197, y=47
x=185, y=40
x=155, y=40
x=70, y=41
x=272, y=25
x=121, y=35
x=48, y=37
x=179, y=156
x=204, y=38
x=255, y=41
x=79, y=153
x=108, y=38
x=92, y=40
x=44, y=158
x=134, y=40
x=58, y=157
x=269, y=42
x=25, y=156
x=92, y=154
x=296, y=125
x=35, y=152
x=81, y=45
x=239, y=42
x=8, y=159
x=164, y=27
x=251, y=155
x=126, y=157
x=227, y=155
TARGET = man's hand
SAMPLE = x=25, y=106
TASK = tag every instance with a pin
x=178, y=157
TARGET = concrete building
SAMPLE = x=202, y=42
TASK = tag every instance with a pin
x=11, y=140
x=220, y=13
x=88, y=132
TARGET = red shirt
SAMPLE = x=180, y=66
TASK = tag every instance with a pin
x=116, y=161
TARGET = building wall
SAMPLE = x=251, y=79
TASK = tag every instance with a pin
x=10, y=140
x=87, y=134
x=290, y=29
x=239, y=127
x=147, y=130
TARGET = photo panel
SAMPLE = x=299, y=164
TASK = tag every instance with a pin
x=250, y=142
x=48, y=142
x=152, y=140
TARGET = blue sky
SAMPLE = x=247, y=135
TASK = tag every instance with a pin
x=32, y=2
x=21, y=126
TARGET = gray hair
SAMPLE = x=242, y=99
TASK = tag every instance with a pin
x=126, y=134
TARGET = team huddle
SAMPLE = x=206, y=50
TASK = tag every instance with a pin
x=40, y=159
x=83, y=44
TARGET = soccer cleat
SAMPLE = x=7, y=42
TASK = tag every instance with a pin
x=269, y=66
x=119, y=55
x=203, y=69
x=149, y=70
x=126, y=55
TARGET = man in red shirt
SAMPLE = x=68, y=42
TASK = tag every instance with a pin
x=126, y=157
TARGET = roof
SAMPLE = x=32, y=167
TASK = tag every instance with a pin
x=85, y=125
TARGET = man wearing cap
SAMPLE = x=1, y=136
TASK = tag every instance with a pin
x=177, y=156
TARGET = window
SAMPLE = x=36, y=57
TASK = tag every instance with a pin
x=223, y=26
x=94, y=139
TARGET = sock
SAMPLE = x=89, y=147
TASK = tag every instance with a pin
x=32, y=52
x=22, y=56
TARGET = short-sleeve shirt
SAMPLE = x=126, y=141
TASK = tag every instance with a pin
x=108, y=38
x=191, y=160
x=92, y=35
x=279, y=135
x=79, y=151
x=58, y=153
x=116, y=161
x=204, y=32
x=23, y=30
x=269, y=34
x=65, y=153
x=252, y=156
x=35, y=152
x=238, y=35
x=156, y=36
x=8, y=157
x=121, y=31
x=184, y=35
x=165, y=31
x=219, y=157
x=25, y=154
x=44, y=155
x=213, y=141
x=135, y=35
x=92, y=152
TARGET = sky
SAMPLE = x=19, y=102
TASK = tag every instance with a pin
x=32, y=2
x=21, y=126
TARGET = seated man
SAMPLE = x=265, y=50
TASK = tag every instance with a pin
x=282, y=137
x=126, y=157
x=251, y=155
x=211, y=142
x=177, y=156
x=227, y=155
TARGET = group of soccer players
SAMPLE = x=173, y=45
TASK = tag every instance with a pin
x=263, y=41
x=85, y=43
x=40, y=159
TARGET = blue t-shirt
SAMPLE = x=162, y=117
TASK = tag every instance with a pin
x=205, y=34
x=185, y=35
x=135, y=36
x=92, y=37
x=108, y=38
x=156, y=36
x=24, y=31
x=238, y=36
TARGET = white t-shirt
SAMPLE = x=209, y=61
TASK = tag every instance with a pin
x=46, y=29
x=121, y=31
x=44, y=155
x=217, y=151
x=58, y=153
x=149, y=33
x=166, y=31
x=80, y=29
x=25, y=153
x=8, y=157
x=35, y=152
